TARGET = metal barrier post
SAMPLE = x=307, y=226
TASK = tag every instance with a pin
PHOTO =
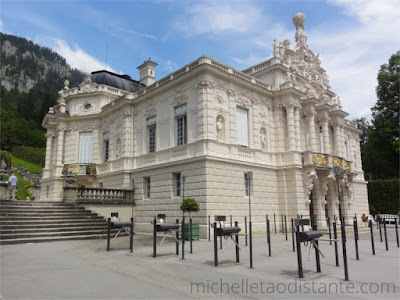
x=380, y=230
x=177, y=239
x=282, y=224
x=230, y=219
x=154, y=237
x=209, y=229
x=245, y=229
x=286, y=227
x=268, y=238
x=183, y=237
x=329, y=230
x=335, y=245
x=356, y=238
x=317, y=258
x=215, y=245
x=237, y=243
x=397, y=233
x=131, y=238
x=251, y=246
x=372, y=237
x=190, y=235
x=299, y=259
x=292, y=224
x=274, y=224
x=108, y=233
x=346, y=271
x=356, y=229
x=386, y=239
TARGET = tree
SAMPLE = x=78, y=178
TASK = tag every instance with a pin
x=190, y=205
x=380, y=140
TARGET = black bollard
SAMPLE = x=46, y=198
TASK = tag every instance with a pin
x=108, y=233
x=274, y=223
x=346, y=271
x=317, y=258
x=177, y=239
x=209, y=229
x=237, y=243
x=372, y=237
x=298, y=246
x=355, y=238
x=215, y=245
x=286, y=227
x=154, y=237
x=183, y=237
x=356, y=229
x=336, y=245
x=266, y=226
x=268, y=238
x=245, y=229
x=380, y=230
x=131, y=237
x=397, y=233
x=386, y=239
x=190, y=235
x=329, y=230
x=292, y=228
x=251, y=246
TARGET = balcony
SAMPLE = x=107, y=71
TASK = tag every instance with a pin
x=325, y=161
x=80, y=169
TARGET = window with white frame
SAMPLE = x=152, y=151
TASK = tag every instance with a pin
x=106, y=146
x=246, y=184
x=151, y=132
x=147, y=187
x=85, y=147
x=181, y=125
x=177, y=184
x=242, y=127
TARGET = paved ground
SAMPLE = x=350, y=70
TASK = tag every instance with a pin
x=84, y=270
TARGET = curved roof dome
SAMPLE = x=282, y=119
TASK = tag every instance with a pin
x=123, y=82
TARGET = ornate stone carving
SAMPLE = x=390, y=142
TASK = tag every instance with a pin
x=151, y=110
x=220, y=127
x=220, y=98
x=66, y=84
x=51, y=111
x=263, y=138
x=309, y=179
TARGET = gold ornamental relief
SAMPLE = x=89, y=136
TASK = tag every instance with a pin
x=75, y=169
x=336, y=162
x=320, y=160
x=346, y=165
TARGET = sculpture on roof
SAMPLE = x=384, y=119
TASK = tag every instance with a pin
x=300, y=37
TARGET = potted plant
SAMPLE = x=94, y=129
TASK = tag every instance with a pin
x=190, y=205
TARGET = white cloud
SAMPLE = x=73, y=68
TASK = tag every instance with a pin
x=218, y=17
x=170, y=66
x=79, y=59
x=149, y=36
x=353, y=55
x=250, y=60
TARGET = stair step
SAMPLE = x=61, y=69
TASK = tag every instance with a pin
x=54, y=229
x=52, y=239
x=13, y=226
x=34, y=203
x=50, y=218
x=8, y=209
x=52, y=234
x=46, y=214
x=48, y=222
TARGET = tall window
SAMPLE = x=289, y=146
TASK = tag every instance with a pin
x=147, y=187
x=181, y=126
x=246, y=184
x=321, y=140
x=85, y=147
x=151, y=132
x=177, y=179
x=106, y=146
x=242, y=127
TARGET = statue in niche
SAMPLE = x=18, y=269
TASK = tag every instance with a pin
x=263, y=138
x=220, y=128
x=118, y=149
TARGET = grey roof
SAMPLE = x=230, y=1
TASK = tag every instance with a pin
x=123, y=82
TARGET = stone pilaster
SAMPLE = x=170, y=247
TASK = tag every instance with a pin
x=60, y=150
x=291, y=135
x=297, y=127
x=204, y=88
x=325, y=135
x=49, y=146
x=232, y=117
x=311, y=131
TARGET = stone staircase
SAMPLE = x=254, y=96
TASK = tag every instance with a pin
x=32, y=222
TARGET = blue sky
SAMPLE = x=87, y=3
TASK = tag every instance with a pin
x=353, y=37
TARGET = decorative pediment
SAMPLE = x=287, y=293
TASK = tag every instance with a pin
x=87, y=86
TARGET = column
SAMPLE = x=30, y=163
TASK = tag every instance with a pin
x=336, y=133
x=325, y=134
x=60, y=146
x=297, y=127
x=311, y=131
x=232, y=116
x=49, y=146
x=290, y=126
x=342, y=140
x=203, y=88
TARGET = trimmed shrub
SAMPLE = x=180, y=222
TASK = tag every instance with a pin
x=384, y=196
x=34, y=155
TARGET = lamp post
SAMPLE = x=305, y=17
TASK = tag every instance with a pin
x=249, y=175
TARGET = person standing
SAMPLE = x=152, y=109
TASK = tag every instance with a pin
x=12, y=181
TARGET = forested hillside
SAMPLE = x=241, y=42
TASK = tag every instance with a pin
x=31, y=77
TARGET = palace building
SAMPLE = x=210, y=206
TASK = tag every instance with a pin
x=198, y=132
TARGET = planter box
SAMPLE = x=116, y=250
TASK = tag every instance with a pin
x=195, y=231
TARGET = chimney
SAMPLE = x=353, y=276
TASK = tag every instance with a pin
x=147, y=72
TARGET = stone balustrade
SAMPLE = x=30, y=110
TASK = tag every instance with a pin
x=97, y=195
x=323, y=160
x=80, y=169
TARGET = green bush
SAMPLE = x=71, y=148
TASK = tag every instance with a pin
x=33, y=155
x=384, y=196
x=6, y=157
x=190, y=205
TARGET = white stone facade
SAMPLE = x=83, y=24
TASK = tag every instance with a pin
x=278, y=119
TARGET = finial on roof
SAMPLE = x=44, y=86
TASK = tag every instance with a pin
x=298, y=21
